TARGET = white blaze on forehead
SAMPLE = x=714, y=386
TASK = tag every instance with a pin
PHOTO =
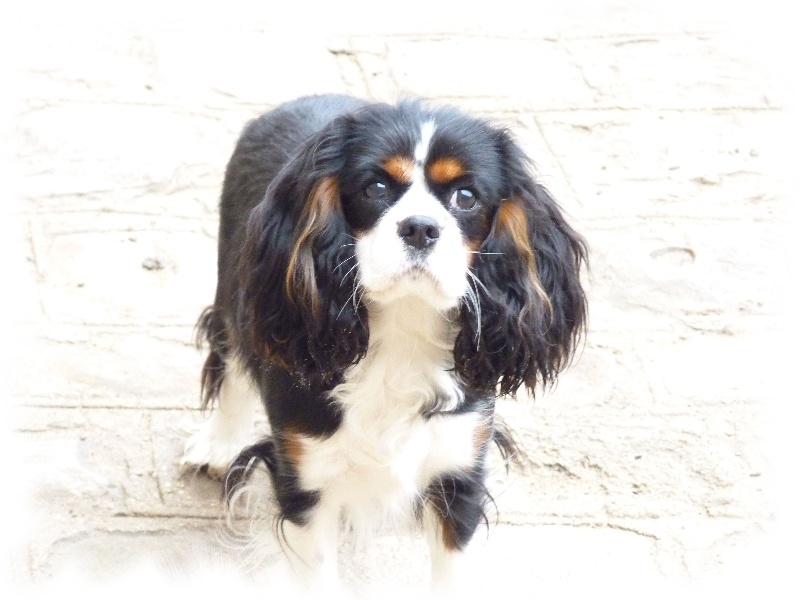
x=425, y=135
x=389, y=271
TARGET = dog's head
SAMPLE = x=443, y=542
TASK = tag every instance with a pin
x=394, y=201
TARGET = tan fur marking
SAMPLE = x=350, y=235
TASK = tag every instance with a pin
x=448, y=533
x=473, y=246
x=481, y=436
x=401, y=168
x=511, y=218
x=445, y=170
x=293, y=447
x=301, y=282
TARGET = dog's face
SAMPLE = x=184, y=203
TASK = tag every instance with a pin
x=396, y=201
x=419, y=206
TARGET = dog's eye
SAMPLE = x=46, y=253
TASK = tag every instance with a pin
x=376, y=191
x=463, y=199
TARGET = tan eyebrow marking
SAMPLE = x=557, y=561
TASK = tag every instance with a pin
x=445, y=170
x=401, y=168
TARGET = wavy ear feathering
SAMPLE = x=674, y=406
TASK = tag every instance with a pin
x=532, y=304
x=298, y=297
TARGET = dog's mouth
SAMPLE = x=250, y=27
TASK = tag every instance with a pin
x=415, y=279
x=416, y=269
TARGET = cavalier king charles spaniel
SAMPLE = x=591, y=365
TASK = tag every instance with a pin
x=385, y=273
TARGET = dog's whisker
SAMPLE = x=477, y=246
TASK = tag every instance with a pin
x=344, y=277
x=345, y=303
x=477, y=280
x=356, y=302
x=337, y=267
x=476, y=299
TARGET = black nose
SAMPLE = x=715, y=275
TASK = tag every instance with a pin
x=419, y=232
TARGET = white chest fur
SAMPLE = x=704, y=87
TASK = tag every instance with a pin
x=387, y=452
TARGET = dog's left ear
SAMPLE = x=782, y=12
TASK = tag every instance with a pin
x=532, y=308
x=297, y=267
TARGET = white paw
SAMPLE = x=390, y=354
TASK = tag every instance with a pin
x=212, y=448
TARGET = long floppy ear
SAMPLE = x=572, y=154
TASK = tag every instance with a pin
x=298, y=269
x=532, y=304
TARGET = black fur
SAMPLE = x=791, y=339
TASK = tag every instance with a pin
x=459, y=500
x=294, y=502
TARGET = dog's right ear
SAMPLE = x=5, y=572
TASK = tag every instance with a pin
x=534, y=306
x=298, y=301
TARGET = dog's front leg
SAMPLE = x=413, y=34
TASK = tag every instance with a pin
x=446, y=560
x=453, y=512
x=312, y=548
x=230, y=427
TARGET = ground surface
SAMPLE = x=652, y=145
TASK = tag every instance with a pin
x=654, y=466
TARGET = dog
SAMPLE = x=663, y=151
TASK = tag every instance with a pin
x=385, y=273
